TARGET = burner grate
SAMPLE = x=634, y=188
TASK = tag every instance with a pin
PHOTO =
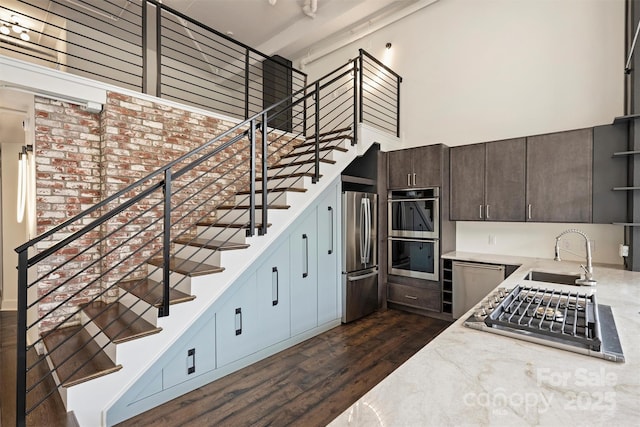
x=567, y=316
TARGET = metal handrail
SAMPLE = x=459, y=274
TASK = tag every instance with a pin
x=323, y=104
x=117, y=51
x=388, y=120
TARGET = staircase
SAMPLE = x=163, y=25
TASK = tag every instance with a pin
x=80, y=353
x=197, y=223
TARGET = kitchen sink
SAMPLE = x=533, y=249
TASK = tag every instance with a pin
x=543, y=276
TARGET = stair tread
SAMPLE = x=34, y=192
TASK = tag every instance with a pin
x=300, y=163
x=220, y=224
x=211, y=244
x=118, y=322
x=187, y=267
x=151, y=292
x=247, y=207
x=72, y=349
x=274, y=190
x=290, y=175
x=325, y=148
x=324, y=140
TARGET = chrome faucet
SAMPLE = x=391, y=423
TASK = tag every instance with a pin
x=588, y=269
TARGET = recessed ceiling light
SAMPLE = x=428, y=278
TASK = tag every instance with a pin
x=5, y=30
x=230, y=33
x=24, y=36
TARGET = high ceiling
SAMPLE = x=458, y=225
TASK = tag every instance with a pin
x=282, y=27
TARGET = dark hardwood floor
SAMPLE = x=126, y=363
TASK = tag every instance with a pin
x=306, y=385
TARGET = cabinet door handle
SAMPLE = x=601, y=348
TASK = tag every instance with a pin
x=191, y=361
x=480, y=212
x=238, y=321
x=274, y=285
x=411, y=297
x=486, y=211
x=414, y=179
x=408, y=180
x=305, y=260
x=330, y=209
x=529, y=211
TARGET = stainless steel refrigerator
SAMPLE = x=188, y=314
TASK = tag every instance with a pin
x=359, y=255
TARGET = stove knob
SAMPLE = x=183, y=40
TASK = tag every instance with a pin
x=480, y=313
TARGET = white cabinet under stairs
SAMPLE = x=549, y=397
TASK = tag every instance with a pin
x=233, y=300
x=288, y=295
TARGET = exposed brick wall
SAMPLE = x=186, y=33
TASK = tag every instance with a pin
x=83, y=158
x=67, y=157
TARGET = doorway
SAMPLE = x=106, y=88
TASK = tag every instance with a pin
x=15, y=110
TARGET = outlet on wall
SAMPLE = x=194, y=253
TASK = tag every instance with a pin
x=492, y=239
x=593, y=245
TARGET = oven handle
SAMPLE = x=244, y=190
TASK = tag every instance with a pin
x=413, y=200
x=409, y=239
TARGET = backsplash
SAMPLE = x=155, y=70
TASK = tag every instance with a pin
x=538, y=240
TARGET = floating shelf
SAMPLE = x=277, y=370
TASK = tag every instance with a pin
x=358, y=180
x=625, y=188
x=621, y=119
x=625, y=153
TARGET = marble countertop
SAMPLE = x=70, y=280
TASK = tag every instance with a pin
x=470, y=377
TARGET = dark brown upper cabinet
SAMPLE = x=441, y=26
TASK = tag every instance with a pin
x=419, y=167
x=488, y=181
x=559, y=176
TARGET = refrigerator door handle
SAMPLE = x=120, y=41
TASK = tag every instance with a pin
x=363, y=236
x=368, y=231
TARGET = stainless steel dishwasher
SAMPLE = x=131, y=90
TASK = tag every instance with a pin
x=472, y=282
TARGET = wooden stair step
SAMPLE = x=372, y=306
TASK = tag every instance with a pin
x=331, y=132
x=290, y=175
x=187, y=267
x=325, y=148
x=300, y=163
x=220, y=224
x=247, y=207
x=151, y=292
x=72, y=349
x=311, y=142
x=211, y=244
x=118, y=322
x=274, y=190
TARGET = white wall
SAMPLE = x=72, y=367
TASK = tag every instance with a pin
x=538, y=240
x=13, y=233
x=483, y=70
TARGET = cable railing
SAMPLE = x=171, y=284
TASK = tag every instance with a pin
x=145, y=46
x=132, y=242
x=379, y=97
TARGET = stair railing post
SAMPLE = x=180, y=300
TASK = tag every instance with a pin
x=361, y=84
x=265, y=161
x=399, y=80
x=21, y=341
x=316, y=168
x=166, y=245
x=246, y=84
x=354, y=141
x=252, y=179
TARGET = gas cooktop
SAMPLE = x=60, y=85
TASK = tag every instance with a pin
x=567, y=320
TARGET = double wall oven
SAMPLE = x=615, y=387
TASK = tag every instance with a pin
x=414, y=233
